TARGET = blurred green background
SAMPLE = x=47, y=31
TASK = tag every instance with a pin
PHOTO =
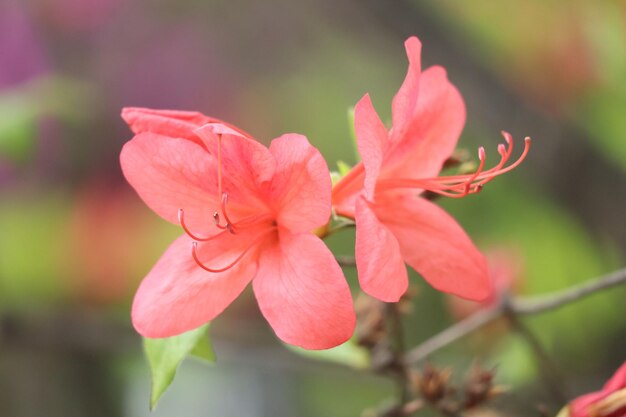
x=75, y=240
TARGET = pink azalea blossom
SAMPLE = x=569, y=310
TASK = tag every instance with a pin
x=247, y=212
x=382, y=193
x=608, y=402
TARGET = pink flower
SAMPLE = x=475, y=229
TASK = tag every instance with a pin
x=393, y=224
x=609, y=402
x=247, y=212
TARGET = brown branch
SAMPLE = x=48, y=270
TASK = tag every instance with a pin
x=520, y=306
x=452, y=334
x=541, y=303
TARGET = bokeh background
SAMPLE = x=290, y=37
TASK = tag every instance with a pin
x=75, y=240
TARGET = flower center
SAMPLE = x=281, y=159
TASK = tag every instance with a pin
x=227, y=226
x=458, y=186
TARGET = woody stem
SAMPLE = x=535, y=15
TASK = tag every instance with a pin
x=551, y=376
x=397, y=349
x=519, y=306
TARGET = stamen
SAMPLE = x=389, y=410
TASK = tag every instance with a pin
x=224, y=201
x=194, y=246
x=181, y=220
x=458, y=186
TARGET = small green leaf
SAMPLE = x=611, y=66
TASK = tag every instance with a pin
x=165, y=355
x=349, y=354
x=343, y=167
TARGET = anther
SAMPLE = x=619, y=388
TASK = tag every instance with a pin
x=481, y=153
x=216, y=218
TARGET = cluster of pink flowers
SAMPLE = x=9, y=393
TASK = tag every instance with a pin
x=249, y=213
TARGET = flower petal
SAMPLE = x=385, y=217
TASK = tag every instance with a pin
x=303, y=294
x=371, y=136
x=245, y=162
x=434, y=244
x=432, y=132
x=348, y=190
x=404, y=102
x=617, y=381
x=170, y=174
x=301, y=186
x=172, y=123
x=177, y=295
x=381, y=270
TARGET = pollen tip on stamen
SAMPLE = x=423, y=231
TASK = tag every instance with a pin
x=507, y=137
x=180, y=215
x=481, y=153
x=194, y=244
x=527, y=140
x=501, y=149
x=216, y=218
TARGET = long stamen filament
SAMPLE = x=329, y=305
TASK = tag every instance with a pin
x=458, y=186
x=194, y=246
x=181, y=220
x=224, y=201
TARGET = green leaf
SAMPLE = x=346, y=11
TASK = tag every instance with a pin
x=344, y=168
x=349, y=354
x=203, y=350
x=165, y=355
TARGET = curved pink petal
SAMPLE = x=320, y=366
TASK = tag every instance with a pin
x=301, y=186
x=371, y=136
x=380, y=267
x=346, y=192
x=434, y=244
x=433, y=131
x=172, y=123
x=244, y=160
x=303, y=294
x=177, y=295
x=246, y=167
x=580, y=406
x=617, y=381
x=170, y=174
x=404, y=102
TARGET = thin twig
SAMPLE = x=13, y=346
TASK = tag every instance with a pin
x=397, y=346
x=552, y=378
x=452, y=334
x=520, y=306
x=541, y=303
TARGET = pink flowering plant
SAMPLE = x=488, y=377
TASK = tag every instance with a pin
x=251, y=214
x=247, y=212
